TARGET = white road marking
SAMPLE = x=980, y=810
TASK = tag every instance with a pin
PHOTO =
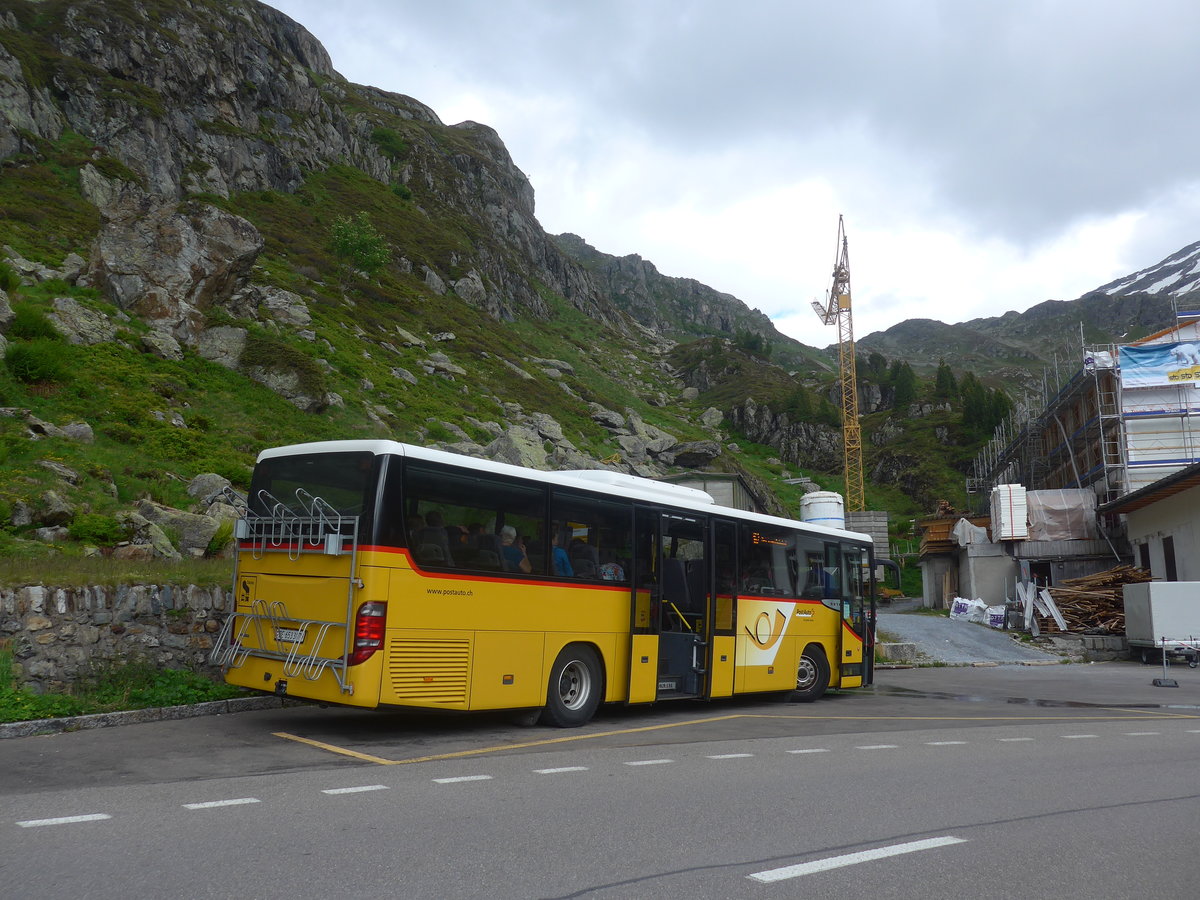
x=462, y=778
x=649, y=762
x=814, y=750
x=356, y=790
x=877, y=747
x=851, y=859
x=943, y=743
x=63, y=820
x=1074, y=737
x=1141, y=733
x=560, y=770
x=732, y=756
x=1013, y=740
x=212, y=804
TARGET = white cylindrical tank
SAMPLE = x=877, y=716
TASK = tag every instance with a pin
x=823, y=508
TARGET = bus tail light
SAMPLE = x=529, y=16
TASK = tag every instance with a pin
x=369, y=625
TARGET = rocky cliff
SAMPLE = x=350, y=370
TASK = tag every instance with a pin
x=212, y=242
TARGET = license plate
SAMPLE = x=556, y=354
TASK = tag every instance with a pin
x=289, y=635
x=666, y=685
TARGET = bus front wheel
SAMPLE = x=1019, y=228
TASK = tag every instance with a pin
x=574, y=691
x=812, y=675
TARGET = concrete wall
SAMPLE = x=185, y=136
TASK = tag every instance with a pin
x=1177, y=517
x=58, y=634
x=986, y=572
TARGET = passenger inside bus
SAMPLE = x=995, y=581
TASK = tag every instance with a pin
x=512, y=551
x=430, y=544
x=559, y=557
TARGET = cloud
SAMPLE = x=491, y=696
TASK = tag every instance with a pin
x=986, y=156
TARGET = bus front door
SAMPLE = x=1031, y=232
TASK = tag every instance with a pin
x=674, y=577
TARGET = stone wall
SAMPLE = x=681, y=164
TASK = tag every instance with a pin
x=58, y=634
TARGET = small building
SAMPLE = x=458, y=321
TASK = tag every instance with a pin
x=1162, y=522
x=728, y=489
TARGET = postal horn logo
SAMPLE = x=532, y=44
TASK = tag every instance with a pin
x=764, y=634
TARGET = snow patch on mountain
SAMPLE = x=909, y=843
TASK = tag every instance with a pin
x=1175, y=276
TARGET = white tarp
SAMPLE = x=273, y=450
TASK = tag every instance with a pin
x=1061, y=515
x=966, y=533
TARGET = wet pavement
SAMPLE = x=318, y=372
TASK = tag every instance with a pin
x=941, y=639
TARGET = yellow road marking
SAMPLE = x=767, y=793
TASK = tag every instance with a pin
x=479, y=751
x=321, y=745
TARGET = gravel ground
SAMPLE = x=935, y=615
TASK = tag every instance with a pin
x=941, y=639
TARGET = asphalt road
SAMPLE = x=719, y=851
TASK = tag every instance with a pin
x=955, y=641
x=1071, y=781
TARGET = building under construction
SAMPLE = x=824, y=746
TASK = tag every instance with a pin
x=1128, y=416
x=1112, y=427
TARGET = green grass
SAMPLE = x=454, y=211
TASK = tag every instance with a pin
x=69, y=571
x=109, y=688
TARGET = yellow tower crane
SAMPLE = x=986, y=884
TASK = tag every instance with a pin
x=836, y=309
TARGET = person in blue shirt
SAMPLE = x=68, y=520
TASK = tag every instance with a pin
x=562, y=562
x=512, y=551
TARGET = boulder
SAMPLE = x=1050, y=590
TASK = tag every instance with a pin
x=54, y=510
x=162, y=345
x=80, y=325
x=170, y=263
x=608, y=418
x=290, y=385
x=547, y=427
x=433, y=281
x=194, y=531
x=223, y=345
x=258, y=301
x=694, y=454
x=208, y=487
x=408, y=339
x=470, y=288
x=519, y=446
x=6, y=311
x=441, y=364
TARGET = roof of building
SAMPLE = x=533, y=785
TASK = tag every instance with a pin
x=1173, y=484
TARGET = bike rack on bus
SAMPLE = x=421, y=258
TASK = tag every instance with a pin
x=318, y=528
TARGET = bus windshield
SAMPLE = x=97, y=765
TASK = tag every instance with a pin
x=345, y=481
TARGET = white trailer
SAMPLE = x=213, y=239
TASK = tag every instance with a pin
x=1162, y=616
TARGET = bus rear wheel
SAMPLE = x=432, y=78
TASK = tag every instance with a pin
x=575, y=688
x=812, y=675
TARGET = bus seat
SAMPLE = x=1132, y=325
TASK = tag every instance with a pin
x=430, y=554
x=487, y=559
x=585, y=559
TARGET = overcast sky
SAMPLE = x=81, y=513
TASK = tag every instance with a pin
x=986, y=155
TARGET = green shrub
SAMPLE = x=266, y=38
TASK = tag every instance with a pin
x=37, y=360
x=357, y=242
x=9, y=279
x=220, y=540
x=120, y=432
x=30, y=323
x=94, y=528
x=390, y=143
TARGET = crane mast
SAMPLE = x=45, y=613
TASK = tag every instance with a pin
x=836, y=310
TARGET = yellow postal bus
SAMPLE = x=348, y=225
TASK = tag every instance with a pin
x=375, y=573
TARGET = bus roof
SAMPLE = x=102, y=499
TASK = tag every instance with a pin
x=596, y=481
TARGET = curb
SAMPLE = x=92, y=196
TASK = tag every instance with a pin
x=37, y=727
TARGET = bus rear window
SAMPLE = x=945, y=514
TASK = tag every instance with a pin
x=345, y=481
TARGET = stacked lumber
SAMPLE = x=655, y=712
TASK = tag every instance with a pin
x=1095, y=603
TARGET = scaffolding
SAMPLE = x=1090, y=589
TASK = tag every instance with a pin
x=1085, y=429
